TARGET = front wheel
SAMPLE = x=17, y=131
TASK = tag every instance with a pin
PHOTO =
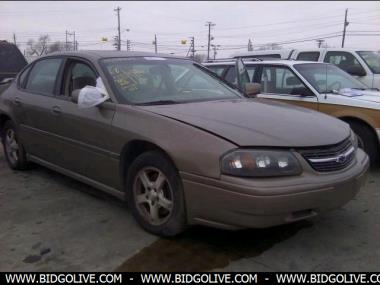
x=367, y=140
x=155, y=195
x=13, y=150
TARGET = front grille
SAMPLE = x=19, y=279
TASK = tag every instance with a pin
x=333, y=158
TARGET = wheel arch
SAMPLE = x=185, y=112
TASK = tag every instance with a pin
x=348, y=119
x=132, y=150
x=3, y=119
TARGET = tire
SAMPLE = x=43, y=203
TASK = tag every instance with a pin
x=155, y=194
x=367, y=140
x=14, y=151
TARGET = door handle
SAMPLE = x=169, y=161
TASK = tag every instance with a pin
x=17, y=101
x=56, y=110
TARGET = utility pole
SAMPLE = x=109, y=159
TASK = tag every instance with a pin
x=128, y=45
x=215, y=47
x=155, y=43
x=250, y=48
x=345, y=24
x=193, y=47
x=118, y=28
x=74, y=41
x=319, y=42
x=209, y=24
x=66, y=42
x=14, y=39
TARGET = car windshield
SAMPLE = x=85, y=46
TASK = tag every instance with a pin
x=372, y=59
x=327, y=78
x=156, y=80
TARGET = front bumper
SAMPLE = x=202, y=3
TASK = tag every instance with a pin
x=231, y=202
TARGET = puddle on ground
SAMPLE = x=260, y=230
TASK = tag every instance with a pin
x=205, y=249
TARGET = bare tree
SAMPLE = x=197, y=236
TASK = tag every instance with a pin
x=38, y=48
x=56, y=46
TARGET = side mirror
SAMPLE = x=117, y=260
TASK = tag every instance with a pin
x=252, y=89
x=88, y=97
x=356, y=70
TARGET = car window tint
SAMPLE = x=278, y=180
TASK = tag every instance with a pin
x=231, y=75
x=308, y=56
x=343, y=60
x=281, y=80
x=43, y=76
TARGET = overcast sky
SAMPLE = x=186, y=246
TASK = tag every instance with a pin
x=235, y=22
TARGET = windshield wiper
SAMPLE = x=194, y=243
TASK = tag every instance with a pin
x=159, y=102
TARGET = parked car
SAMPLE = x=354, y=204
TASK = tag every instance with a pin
x=361, y=63
x=319, y=86
x=11, y=60
x=175, y=141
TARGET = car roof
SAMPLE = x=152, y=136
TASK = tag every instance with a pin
x=98, y=54
x=278, y=62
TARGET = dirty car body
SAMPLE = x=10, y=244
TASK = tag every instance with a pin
x=177, y=143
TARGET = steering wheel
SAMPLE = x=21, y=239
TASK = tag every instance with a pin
x=335, y=84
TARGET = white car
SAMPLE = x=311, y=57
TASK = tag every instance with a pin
x=363, y=64
x=319, y=86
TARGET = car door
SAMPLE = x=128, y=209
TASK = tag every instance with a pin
x=279, y=82
x=85, y=133
x=35, y=107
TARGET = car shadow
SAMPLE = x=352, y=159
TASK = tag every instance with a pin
x=206, y=249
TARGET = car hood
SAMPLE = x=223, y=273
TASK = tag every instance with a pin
x=258, y=122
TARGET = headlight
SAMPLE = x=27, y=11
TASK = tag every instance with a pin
x=260, y=163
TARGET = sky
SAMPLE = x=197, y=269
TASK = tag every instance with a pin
x=293, y=24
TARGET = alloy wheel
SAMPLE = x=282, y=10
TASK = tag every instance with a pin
x=153, y=195
x=11, y=146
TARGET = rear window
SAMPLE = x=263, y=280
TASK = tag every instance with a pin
x=308, y=56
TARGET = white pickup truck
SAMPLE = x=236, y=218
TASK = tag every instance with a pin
x=363, y=64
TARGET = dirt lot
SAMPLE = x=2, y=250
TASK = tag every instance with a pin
x=52, y=223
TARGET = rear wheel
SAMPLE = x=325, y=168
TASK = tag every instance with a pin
x=13, y=150
x=155, y=194
x=367, y=140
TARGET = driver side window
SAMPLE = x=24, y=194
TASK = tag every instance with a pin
x=344, y=60
x=80, y=75
x=282, y=81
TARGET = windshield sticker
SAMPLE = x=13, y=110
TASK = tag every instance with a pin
x=154, y=58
